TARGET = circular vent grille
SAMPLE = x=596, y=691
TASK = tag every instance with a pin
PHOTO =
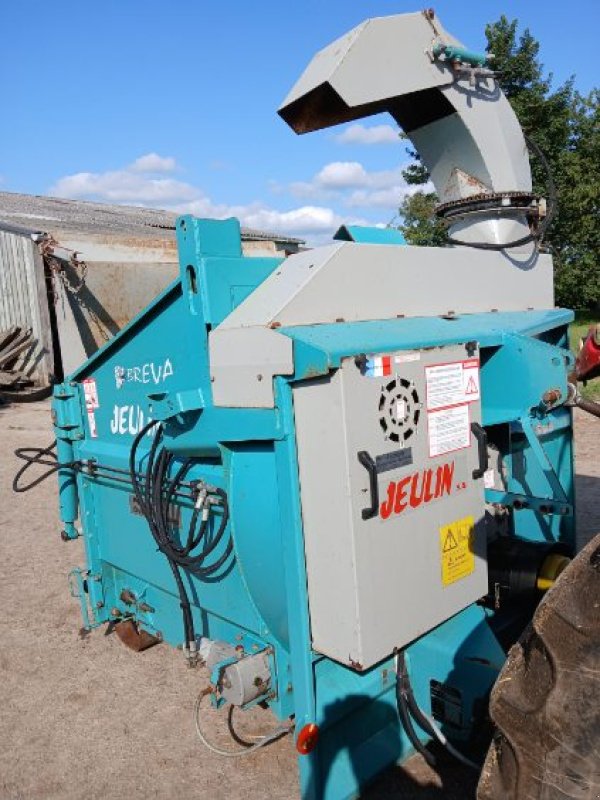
x=399, y=409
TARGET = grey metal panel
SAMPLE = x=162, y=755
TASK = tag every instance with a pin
x=243, y=363
x=376, y=584
x=351, y=282
x=370, y=62
x=23, y=301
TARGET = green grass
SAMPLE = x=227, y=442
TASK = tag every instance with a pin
x=578, y=330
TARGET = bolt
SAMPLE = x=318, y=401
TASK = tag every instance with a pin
x=114, y=612
x=65, y=536
x=99, y=604
x=127, y=597
x=259, y=377
x=289, y=688
x=551, y=397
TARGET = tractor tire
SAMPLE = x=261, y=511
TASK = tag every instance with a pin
x=546, y=701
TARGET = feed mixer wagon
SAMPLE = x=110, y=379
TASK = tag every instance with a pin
x=343, y=480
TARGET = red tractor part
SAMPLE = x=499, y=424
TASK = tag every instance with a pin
x=587, y=365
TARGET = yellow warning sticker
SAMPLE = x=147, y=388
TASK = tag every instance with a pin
x=456, y=549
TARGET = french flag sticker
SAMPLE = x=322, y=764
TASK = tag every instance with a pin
x=378, y=366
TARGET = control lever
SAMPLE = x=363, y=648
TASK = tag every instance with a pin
x=480, y=434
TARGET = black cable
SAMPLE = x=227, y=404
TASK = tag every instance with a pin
x=405, y=692
x=403, y=713
x=155, y=493
x=534, y=236
x=35, y=455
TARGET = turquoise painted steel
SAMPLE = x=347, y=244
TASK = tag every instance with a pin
x=454, y=53
x=157, y=367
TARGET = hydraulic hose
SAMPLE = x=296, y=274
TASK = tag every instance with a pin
x=155, y=493
x=407, y=705
x=42, y=456
x=403, y=712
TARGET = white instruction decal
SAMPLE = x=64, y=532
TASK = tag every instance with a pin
x=452, y=384
x=449, y=430
x=90, y=392
x=471, y=380
x=92, y=423
x=489, y=479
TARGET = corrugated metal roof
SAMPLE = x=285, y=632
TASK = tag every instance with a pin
x=59, y=217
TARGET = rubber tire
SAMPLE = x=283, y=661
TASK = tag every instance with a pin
x=546, y=701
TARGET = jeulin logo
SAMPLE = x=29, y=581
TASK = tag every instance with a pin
x=417, y=489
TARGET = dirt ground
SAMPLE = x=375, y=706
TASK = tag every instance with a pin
x=86, y=718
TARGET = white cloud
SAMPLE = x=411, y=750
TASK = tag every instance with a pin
x=152, y=162
x=354, y=186
x=376, y=134
x=340, y=182
x=304, y=222
x=123, y=186
x=138, y=184
x=135, y=183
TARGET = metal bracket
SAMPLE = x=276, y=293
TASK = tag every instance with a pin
x=78, y=587
x=66, y=411
x=169, y=404
x=558, y=492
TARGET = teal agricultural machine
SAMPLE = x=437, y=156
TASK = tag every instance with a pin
x=343, y=480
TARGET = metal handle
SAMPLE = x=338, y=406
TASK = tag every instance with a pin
x=368, y=463
x=482, y=451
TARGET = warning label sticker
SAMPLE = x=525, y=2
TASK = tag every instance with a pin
x=90, y=392
x=452, y=384
x=457, y=550
x=449, y=430
x=92, y=424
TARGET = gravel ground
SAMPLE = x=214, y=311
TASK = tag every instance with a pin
x=86, y=718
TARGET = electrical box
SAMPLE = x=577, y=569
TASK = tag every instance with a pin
x=392, y=495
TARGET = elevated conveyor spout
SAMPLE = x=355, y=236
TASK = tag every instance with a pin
x=447, y=103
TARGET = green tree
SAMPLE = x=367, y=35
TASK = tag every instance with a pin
x=566, y=127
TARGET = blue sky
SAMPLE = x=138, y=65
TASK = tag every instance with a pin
x=173, y=104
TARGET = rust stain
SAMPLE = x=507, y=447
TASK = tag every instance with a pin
x=133, y=637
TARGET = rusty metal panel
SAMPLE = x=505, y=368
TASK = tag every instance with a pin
x=23, y=302
x=93, y=300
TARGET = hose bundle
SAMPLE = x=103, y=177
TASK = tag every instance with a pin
x=154, y=492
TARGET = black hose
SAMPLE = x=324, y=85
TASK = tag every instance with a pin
x=534, y=236
x=403, y=712
x=42, y=456
x=155, y=494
